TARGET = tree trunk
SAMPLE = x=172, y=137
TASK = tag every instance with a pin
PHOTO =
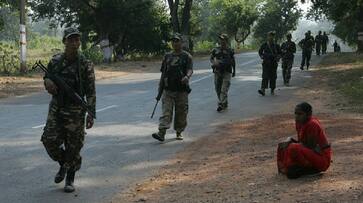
x=174, y=6
x=360, y=30
x=185, y=26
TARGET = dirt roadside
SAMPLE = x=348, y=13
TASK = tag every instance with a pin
x=16, y=86
x=239, y=163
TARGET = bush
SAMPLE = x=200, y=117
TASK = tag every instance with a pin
x=94, y=54
x=204, y=46
x=9, y=59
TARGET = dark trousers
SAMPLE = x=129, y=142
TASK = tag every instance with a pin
x=269, y=74
x=324, y=48
x=318, y=49
x=286, y=69
x=306, y=56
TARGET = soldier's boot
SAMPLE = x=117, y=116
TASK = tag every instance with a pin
x=160, y=135
x=179, y=136
x=220, y=107
x=59, y=177
x=272, y=91
x=261, y=92
x=69, y=187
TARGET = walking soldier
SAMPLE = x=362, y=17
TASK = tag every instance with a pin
x=224, y=68
x=177, y=68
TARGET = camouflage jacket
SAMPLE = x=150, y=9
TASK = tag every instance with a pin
x=176, y=67
x=79, y=75
x=225, y=57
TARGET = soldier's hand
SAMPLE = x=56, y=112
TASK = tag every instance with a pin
x=185, y=80
x=216, y=63
x=89, y=122
x=50, y=86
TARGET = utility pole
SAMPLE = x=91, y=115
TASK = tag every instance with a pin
x=23, y=68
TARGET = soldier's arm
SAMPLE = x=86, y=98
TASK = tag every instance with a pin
x=233, y=63
x=293, y=48
x=90, y=87
x=260, y=51
x=190, y=67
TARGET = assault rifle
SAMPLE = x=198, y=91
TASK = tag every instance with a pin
x=64, y=88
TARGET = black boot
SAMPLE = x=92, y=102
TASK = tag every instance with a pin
x=59, y=177
x=69, y=187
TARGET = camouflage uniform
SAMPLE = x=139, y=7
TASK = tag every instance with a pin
x=65, y=128
x=288, y=49
x=318, y=43
x=307, y=45
x=270, y=53
x=175, y=97
x=223, y=73
x=325, y=42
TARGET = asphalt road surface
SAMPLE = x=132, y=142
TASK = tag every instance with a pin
x=119, y=149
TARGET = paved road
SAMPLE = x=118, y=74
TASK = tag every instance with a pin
x=119, y=149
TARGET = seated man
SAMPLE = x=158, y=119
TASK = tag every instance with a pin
x=311, y=153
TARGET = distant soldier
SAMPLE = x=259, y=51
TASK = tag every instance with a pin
x=318, y=43
x=224, y=67
x=288, y=49
x=65, y=128
x=325, y=43
x=336, y=47
x=270, y=53
x=307, y=45
x=177, y=68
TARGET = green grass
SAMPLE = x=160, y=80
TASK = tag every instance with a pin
x=344, y=74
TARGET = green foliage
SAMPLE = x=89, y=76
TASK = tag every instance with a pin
x=94, y=54
x=280, y=16
x=234, y=17
x=346, y=15
x=9, y=58
x=140, y=26
x=44, y=42
x=204, y=46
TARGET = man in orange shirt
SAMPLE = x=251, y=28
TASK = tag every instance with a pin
x=311, y=152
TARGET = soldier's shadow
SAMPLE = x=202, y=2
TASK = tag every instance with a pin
x=168, y=141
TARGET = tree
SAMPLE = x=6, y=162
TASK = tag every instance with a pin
x=180, y=19
x=7, y=6
x=347, y=16
x=280, y=16
x=234, y=17
x=127, y=25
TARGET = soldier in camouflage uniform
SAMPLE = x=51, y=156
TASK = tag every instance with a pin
x=325, y=43
x=224, y=67
x=65, y=128
x=288, y=49
x=270, y=53
x=307, y=46
x=318, y=43
x=177, y=68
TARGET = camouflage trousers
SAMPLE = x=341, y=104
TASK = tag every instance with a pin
x=222, y=82
x=64, y=134
x=286, y=69
x=174, y=102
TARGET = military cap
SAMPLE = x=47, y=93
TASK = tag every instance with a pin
x=69, y=31
x=223, y=36
x=289, y=35
x=176, y=36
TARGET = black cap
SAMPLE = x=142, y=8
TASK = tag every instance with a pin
x=69, y=31
x=176, y=36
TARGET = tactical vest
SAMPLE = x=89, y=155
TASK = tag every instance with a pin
x=176, y=68
x=225, y=56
